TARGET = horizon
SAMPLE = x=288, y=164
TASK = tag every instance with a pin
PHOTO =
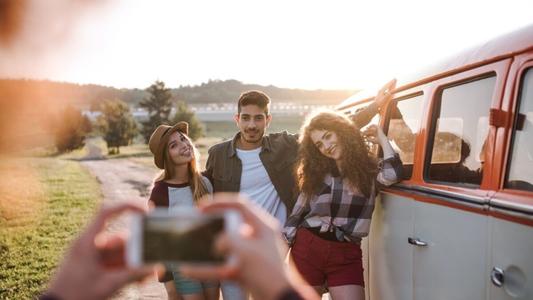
x=171, y=87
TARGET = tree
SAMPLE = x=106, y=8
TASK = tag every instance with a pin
x=116, y=125
x=70, y=129
x=183, y=113
x=158, y=104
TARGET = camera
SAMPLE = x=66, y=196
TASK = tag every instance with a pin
x=184, y=236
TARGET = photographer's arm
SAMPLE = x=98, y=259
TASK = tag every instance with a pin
x=258, y=246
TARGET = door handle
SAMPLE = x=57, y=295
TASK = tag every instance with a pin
x=416, y=242
x=496, y=276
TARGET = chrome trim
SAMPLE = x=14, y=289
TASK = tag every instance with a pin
x=512, y=213
x=497, y=205
x=507, y=205
x=450, y=197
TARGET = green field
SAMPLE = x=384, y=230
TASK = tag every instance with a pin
x=226, y=129
x=214, y=132
x=43, y=204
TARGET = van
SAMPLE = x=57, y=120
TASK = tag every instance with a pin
x=460, y=223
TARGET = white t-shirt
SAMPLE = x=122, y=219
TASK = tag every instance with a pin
x=257, y=185
x=175, y=196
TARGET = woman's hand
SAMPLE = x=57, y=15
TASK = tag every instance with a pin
x=373, y=134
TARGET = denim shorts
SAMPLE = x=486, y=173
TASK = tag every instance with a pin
x=187, y=286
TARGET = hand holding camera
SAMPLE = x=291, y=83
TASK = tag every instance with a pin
x=241, y=242
x=96, y=263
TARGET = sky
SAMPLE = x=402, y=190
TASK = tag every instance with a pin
x=292, y=44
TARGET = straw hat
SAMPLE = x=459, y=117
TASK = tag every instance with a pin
x=159, y=139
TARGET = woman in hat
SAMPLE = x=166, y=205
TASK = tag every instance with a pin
x=179, y=185
x=338, y=177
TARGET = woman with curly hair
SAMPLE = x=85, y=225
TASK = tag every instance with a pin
x=338, y=177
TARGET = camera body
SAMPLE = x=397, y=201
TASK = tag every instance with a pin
x=184, y=236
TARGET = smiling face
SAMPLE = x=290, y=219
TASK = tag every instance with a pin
x=179, y=149
x=252, y=122
x=327, y=143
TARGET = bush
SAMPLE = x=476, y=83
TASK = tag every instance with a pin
x=70, y=130
x=117, y=126
x=183, y=113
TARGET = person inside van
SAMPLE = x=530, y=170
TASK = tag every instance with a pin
x=339, y=179
x=449, y=160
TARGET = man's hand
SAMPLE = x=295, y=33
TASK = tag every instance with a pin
x=385, y=94
x=94, y=266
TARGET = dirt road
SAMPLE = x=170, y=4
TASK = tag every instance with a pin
x=124, y=180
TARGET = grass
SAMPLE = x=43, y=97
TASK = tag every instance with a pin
x=214, y=131
x=43, y=204
x=226, y=129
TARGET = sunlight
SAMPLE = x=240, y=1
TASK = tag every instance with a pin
x=296, y=44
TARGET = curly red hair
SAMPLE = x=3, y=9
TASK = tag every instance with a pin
x=357, y=164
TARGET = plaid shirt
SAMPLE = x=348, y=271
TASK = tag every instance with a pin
x=354, y=211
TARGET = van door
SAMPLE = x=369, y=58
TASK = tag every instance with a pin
x=511, y=209
x=450, y=239
x=390, y=259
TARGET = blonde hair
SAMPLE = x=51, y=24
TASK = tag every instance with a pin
x=196, y=182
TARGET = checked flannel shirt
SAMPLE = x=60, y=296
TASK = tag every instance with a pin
x=354, y=211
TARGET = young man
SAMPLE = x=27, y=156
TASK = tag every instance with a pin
x=253, y=162
x=256, y=164
x=261, y=165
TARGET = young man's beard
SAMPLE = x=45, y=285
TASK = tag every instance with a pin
x=258, y=133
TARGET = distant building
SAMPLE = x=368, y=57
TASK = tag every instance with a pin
x=224, y=111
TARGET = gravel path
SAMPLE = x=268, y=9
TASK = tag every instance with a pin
x=124, y=180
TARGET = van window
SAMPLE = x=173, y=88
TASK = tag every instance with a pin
x=520, y=171
x=404, y=123
x=460, y=126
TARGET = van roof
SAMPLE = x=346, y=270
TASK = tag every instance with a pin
x=496, y=49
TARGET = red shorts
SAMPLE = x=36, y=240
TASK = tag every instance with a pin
x=327, y=262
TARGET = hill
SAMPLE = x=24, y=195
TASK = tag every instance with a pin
x=214, y=91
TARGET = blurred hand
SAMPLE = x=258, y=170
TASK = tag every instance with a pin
x=258, y=248
x=94, y=266
x=385, y=93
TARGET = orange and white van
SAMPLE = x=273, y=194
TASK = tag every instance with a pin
x=460, y=224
